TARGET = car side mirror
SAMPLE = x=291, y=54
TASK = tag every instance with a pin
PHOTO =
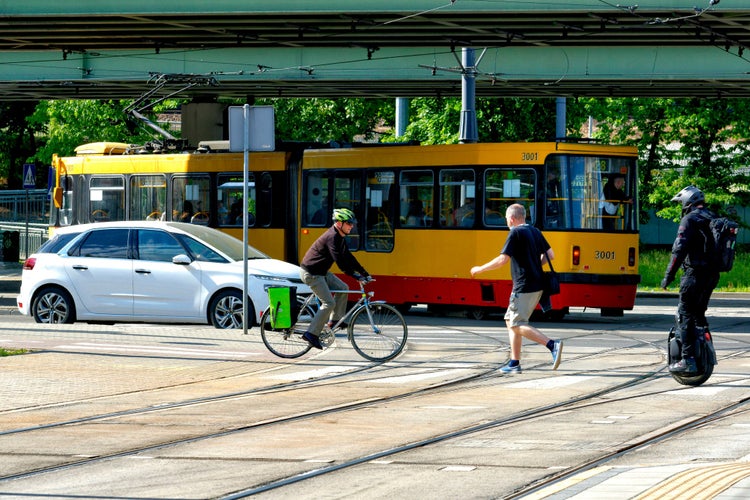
x=182, y=260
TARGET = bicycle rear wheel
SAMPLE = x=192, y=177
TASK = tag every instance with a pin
x=383, y=338
x=286, y=342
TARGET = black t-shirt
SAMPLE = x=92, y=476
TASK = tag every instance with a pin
x=525, y=246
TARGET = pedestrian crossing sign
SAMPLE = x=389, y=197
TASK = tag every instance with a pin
x=29, y=176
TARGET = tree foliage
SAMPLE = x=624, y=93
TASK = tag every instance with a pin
x=436, y=120
x=18, y=141
x=682, y=142
x=325, y=120
x=68, y=124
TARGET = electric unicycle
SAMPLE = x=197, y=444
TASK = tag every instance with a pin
x=705, y=356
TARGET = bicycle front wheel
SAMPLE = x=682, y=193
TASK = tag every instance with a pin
x=285, y=342
x=381, y=338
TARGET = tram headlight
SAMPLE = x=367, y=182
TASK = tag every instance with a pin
x=631, y=256
x=576, y=255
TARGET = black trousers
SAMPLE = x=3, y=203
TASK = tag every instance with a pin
x=696, y=286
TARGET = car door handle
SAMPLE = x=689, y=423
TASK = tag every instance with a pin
x=80, y=267
x=143, y=271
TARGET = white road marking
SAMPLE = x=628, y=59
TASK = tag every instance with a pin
x=155, y=350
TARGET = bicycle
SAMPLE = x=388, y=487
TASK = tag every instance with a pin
x=376, y=330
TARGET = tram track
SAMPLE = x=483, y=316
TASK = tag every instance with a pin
x=679, y=428
x=373, y=370
x=450, y=385
x=365, y=373
x=579, y=404
x=484, y=374
x=378, y=370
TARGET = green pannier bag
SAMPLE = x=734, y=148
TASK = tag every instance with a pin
x=283, y=301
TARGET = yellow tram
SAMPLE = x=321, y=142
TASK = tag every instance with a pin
x=426, y=213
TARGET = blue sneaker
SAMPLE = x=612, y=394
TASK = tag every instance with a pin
x=511, y=369
x=557, y=354
x=312, y=340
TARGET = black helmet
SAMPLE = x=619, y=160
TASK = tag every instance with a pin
x=689, y=197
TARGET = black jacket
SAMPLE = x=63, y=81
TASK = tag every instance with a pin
x=694, y=246
x=329, y=248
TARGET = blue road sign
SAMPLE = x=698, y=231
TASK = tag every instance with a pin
x=29, y=176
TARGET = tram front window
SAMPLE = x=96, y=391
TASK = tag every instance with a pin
x=574, y=193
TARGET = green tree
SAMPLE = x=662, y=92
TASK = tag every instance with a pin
x=436, y=120
x=18, y=141
x=68, y=124
x=682, y=142
x=324, y=120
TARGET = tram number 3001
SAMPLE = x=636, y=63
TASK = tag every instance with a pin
x=599, y=255
x=529, y=156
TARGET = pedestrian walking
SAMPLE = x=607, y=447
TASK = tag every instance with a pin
x=526, y=249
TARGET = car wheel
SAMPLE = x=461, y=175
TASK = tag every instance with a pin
x=53, y=305
x=225, y=310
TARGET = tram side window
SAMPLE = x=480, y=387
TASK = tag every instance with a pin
x=504, y=187
x=316, y=210
x=556, y=195
x=380, y=209
x=148, y=195
x=415, y=199
x=190, y=195
x=229, y=193
x=106, y=199
x=80, y=203
x=347, y=193
x=457, y=194
x=265, y=203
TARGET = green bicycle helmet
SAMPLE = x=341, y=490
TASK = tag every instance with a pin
x=344, y=215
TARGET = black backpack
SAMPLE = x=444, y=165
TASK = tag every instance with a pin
x=724, y=232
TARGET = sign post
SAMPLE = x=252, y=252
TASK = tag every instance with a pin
x=29, y=182
x=251, y=128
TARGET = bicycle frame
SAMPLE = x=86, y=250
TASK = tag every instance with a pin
x=365, y=300
x=379, y=335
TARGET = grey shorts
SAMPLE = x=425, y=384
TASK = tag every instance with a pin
x=520, y=307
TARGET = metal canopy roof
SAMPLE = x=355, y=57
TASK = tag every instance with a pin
x=233, y=48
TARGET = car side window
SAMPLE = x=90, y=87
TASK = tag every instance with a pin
x=56, y=243
x=200, y=251
x=103, y=244
x=157, y=246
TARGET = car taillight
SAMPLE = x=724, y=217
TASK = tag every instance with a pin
x=576, y=255
x=29, y=263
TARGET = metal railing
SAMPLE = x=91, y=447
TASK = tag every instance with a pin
x=25, y=211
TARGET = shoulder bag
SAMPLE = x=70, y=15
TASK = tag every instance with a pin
x=551, y=281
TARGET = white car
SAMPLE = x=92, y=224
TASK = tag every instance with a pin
x=167, y=272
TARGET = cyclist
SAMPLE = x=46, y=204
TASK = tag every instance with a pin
x=315, y=272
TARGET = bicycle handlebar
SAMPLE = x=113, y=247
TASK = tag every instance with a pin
x=363, y=280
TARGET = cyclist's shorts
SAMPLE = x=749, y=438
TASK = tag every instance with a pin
x=520, y=307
